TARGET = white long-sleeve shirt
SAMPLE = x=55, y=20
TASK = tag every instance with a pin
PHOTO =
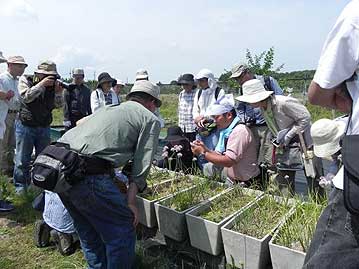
x=98, y=99
x=207, y=98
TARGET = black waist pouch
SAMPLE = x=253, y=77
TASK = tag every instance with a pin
x=57, y=168
x=350, y=153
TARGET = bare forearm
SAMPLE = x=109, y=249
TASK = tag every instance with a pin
x=335, y=98
x=131, y=193
x=218, y=159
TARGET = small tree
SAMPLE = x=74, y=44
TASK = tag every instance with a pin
x=261, y=64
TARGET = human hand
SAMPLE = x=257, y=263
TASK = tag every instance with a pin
x=198, y=120
x=58, y=87
x=48, y=81
x=198, y=147
x=134, y=210
x=10, y=94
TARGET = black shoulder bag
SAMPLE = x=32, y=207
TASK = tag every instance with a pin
x=57, y=168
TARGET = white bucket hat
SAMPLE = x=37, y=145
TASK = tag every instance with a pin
x=253, y=92
x=326, y=136
x=223, y=105
x=141, y=74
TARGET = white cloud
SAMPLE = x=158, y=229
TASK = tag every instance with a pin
x=19, y=10
x=69, y=57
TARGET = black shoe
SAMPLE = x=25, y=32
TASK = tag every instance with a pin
x=63, y=243
x=42, y=234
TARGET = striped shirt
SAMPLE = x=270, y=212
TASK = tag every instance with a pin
x=185, y=109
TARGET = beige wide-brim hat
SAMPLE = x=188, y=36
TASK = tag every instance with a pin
x=253, y=92
x=47, y=68
x=16, y=60
x=326, y=136
x=146, y=87
x=238, y=69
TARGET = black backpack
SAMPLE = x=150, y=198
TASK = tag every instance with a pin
x=267, y=83
x=216, y=93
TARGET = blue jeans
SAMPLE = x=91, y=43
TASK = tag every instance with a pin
x=103, y=222
x=26, y=139
x=335, y=243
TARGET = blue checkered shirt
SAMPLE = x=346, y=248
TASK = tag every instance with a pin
x=185, y=108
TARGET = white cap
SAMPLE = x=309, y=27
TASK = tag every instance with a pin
x=141, y=74
x=222, y=105
x=204, y=73
x=120, y=82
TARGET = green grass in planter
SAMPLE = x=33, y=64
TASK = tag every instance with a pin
x=155, y=192
x=204, y=189
x=261, y=217
x=157, y=175
x=298, y=231
x=228, y=204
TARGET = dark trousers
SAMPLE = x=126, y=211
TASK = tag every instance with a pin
x=335, y=243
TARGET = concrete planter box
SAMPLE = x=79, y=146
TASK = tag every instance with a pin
x=284, y=257
x=172, y=223
x=146, y=208
x=246, y=251
x=206, y=234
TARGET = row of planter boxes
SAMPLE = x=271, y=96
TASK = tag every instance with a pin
x=213, y=234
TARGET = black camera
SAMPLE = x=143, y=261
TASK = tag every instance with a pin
x=65, y=85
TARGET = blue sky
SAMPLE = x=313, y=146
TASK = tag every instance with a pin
x=166, y=37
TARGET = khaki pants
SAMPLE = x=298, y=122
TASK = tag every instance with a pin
x=264, y=146
x=7, y=145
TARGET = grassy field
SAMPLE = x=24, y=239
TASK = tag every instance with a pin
x=169, y=111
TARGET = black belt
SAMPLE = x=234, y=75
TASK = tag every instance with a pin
x=12, y=111
x=97, y=166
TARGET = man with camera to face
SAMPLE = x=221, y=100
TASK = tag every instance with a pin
x=77, y=99
x=39, y=95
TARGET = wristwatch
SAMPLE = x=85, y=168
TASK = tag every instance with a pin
x=202, y=155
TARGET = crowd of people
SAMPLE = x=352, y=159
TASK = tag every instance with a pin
x=233, y=139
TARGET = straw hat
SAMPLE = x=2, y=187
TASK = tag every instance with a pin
x=253, y=92
x=326, y=136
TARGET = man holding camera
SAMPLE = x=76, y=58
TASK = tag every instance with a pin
x=77, y=100
x=39, y=95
